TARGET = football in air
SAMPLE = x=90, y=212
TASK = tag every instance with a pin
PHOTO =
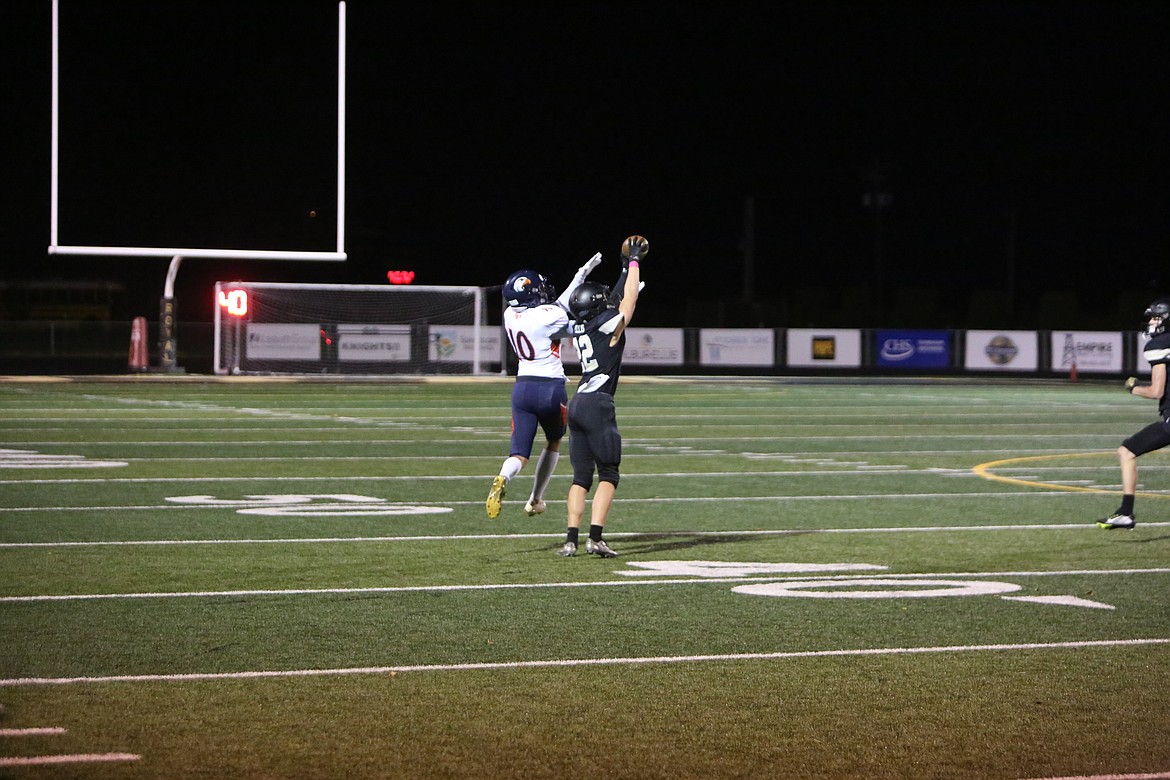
x=635, y=248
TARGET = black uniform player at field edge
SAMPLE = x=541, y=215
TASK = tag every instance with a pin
x=1154, y=436
x=600, y=318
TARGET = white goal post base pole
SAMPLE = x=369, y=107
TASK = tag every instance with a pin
x=172, y=272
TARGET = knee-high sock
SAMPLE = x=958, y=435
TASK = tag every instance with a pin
x=545, y=466
x=511, y=468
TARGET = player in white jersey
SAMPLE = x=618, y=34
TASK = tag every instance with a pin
x=535, y=322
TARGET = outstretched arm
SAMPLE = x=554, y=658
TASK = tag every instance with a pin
x=634, y=249
x=578, y=279
x=630, y=291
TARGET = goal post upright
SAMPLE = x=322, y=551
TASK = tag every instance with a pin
x=341, y=128
x=53, y=129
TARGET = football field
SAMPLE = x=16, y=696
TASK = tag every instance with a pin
x=817, y=579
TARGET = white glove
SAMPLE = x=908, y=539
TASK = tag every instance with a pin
x=592, y=263
x=578, y=279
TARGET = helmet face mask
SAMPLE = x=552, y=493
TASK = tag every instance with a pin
x=1156, y=315
x=589, y=300
x=528, y=288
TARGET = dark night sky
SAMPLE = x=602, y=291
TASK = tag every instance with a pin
x=485, y=137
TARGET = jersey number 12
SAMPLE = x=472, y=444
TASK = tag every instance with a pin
x=585, y=351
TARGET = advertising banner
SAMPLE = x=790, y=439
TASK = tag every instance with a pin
x=373, y=343
x=737, y=347
x=281, y=341
x=823, y=348
x=644, y=346
x=1140, y=341
x=1002, y=350
x=654, y=346
x=456, y=344
x=1090, y=351
x=913, y=349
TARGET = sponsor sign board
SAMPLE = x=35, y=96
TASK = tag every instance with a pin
x=373, y=343
x=913, y=349
x=282, y=341
x=654, y=346
x=737, y=347
x=1140, y=341
x=1002, y=350
x=644, y=346
x=456, y=344
x=823, y=348
x=1090, y=351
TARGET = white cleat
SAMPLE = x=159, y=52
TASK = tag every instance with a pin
x=600, y=549
x=534, y=507
x=1116, y=520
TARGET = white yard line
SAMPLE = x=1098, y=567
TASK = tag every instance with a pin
x=493, y=411
x=1139, y=776
x=559, y=534
x=500, y=434
x=555, y=585
x=706, y=454
x=880, y=471
x=78, y=758
x=581, y=662
x=670, y=451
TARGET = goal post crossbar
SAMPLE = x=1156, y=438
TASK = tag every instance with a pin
x=217, y=254
x=378, y=288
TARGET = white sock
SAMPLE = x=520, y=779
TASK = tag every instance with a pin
x=544, y=471
x=511, y=468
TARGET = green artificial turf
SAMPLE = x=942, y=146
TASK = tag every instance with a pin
x=263, y=580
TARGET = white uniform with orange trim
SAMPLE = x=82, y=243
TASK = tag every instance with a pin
x=530, y=331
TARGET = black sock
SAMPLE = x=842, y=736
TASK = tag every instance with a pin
x=595, y=532
x=1126, y=506
x=573, y=532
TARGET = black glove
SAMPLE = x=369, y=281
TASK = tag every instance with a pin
x=634, y=248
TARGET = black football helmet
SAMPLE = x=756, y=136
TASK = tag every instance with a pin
x=528, y=288
x=589, y=300
x=1156, y=315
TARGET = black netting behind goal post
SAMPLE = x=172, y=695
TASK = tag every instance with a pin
x=278, y=328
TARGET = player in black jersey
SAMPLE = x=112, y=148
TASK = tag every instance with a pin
x=600, y=318
x=1154, y=436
